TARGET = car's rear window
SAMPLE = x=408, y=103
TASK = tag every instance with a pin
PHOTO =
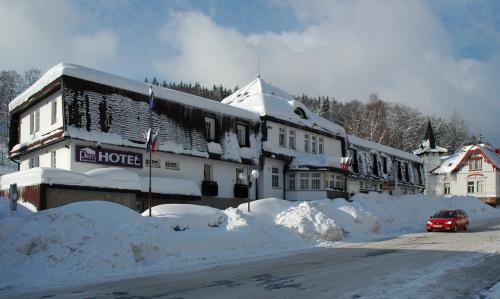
x=445, y=214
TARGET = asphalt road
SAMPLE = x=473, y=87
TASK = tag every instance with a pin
x=424, y=265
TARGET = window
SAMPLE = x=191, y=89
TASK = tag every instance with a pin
x=480, y=186
x=384, y=164
x=354, y=155
x=275, y=177
x=338, y=185
x=155, y=164
x=374, y=165
x=315, y=181
x=291, y=139
x=53, y=161
x=304, y=181
x=300, y=113
x=207, y=172
x=282, y=137
x=242, y=134
x=32, y=123
x=407, y=172
x=313, y=144
x=400, y=174
x=475, y=164
x=174, y=165
x=446, y=188
x=470, y=187
x=53, y=116
x=291, y=181
x=306, y=143
x=34, y=162
x=37, y=120
x=210, y=128
x=240, y=177
x=333, y=181
x=321, y=146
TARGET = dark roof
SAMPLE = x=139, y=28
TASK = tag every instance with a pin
x=429, y=135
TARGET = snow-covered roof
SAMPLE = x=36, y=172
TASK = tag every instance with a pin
x=111, y=177
x=307, y=161
x=88, y=74
x=382, y=148
x=453, y=162
x=261, y=97
x=426, y=148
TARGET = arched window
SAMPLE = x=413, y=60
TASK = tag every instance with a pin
x=300, y=113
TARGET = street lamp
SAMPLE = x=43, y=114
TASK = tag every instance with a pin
x=255, y=176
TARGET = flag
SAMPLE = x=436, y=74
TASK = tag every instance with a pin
x=151, y=98
x=345, y=162
x=152, y=140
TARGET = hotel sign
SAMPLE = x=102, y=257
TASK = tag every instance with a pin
x=87, y=154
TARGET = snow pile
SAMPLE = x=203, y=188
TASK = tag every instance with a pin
x=214, y=148
x=309, y=222
x=95, y=240
x=23, y=208
x=185, y=216
x=492, y=293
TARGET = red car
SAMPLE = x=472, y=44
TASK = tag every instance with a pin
x=448, y=220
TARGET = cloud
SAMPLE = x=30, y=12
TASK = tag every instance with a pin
x=42, y=33
x=347, y=49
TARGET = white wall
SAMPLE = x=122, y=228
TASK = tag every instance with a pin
x=332, y=146
x=45, y=118
x=44, y=156
x=223, y=172
x=265, y=179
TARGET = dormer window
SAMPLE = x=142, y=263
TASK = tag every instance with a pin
x=210, y=128
x=300, y=112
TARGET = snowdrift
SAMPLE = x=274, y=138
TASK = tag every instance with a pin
x=98, y=240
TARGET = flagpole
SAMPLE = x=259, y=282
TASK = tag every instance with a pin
x=150, y=151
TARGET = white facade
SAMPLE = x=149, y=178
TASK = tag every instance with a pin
x=42, y=118
x=472, y=171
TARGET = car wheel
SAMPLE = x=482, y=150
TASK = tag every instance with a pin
x=429, y=229
x=455, y=228
x=466, y=226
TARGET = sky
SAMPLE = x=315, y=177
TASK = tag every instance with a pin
x=435, y=56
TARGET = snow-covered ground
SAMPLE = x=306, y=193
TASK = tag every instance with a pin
x=95, y=241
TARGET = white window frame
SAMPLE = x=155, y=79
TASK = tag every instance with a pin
x=321, y=145
x=207, y=168
x=471, y=187
x=210, y=127
x=171, y=164
x=53, y=111
x=480, y=186
x=275, y=177
x=32, y=123
x=37, y=120
x=156, y=163
x=315, y=181
x=241, y=134
x=291, y=139
x=304, y=181
x=53, y=159
x=313, y=144
x=282, y=136
x=292, y=181
x=446, y=188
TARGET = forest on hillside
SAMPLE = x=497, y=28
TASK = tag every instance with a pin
x=374, y=119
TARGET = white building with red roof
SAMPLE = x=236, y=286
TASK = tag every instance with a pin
x=473, y=170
